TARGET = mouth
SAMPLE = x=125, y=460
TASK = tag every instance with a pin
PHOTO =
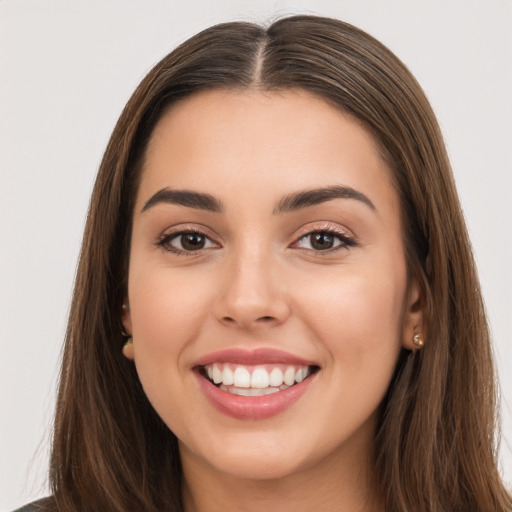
x=254, y=384
x=255, y=380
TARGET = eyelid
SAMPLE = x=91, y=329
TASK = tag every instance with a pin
x=314, y=227
x=191, y=227
x=346, y=236
x=170, y=233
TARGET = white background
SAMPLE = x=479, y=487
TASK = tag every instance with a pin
x=66, y=70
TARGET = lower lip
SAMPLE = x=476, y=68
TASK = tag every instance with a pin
x=253, y=407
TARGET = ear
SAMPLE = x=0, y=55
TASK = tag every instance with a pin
x=126, y=319
x=414, y=317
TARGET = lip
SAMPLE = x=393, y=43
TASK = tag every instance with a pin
x=253, y=357
x=253, y=407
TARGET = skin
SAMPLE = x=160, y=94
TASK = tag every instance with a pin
x=259, y=283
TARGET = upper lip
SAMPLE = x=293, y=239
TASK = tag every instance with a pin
x=253, y=357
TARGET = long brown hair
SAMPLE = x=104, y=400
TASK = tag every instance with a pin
x=435, y=447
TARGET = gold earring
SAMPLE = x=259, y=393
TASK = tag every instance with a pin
x=128, y=348
x=418, y=340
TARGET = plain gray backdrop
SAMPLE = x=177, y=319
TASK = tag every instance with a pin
x=66, y=70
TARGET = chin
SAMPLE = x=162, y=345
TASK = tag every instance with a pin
x=259, y=465
x=260, y=454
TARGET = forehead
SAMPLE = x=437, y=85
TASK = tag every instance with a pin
x=268, y=143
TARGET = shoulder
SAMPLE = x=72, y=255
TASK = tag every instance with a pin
x=35, y=506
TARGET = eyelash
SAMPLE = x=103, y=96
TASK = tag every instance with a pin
x=164, y=241
x=345, y=241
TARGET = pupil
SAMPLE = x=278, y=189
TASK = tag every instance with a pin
x=192, y=241
x=322, y=241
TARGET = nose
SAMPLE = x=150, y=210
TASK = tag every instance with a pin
x=252, y=295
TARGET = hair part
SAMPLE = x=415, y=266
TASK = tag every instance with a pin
x=435, y=448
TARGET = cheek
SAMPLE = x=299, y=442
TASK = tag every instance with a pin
x=357, y=314
x=166, y=308
x=167, y=311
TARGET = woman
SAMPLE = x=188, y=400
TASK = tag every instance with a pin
x=276, y=305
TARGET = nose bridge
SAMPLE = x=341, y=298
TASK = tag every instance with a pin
x=252, y=294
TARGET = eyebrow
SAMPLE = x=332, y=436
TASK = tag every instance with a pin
x=316, y=196
x=187, y=198
x=292, y=202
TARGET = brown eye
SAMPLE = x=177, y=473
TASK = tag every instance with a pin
x=192, y=241
x=186, y=242
x=322, y=241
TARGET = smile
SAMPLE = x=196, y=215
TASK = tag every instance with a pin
x=254, y=384
x=258, y=380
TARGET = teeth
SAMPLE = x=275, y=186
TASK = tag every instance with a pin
x=242, y=377
x=276, y=377
x=217, y=374
x=227, y=376
x=247, y=380
x=249, y=391
x=260, y=379
x=289, y=376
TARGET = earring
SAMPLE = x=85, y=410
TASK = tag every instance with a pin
x=128, y=348
x=418, y=340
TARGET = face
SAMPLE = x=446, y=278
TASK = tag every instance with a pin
x=268, y=296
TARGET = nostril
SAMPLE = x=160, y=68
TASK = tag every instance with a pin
x=267, y=319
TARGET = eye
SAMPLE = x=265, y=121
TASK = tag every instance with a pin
x=324, y=241
x=186, y=242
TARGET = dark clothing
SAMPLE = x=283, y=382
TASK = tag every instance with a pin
x=35, y=506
